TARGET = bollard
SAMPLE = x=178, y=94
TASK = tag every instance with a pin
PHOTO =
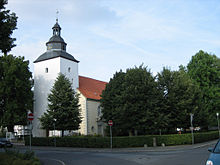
x=145, y=145
x=154, y=142
x=163, y=145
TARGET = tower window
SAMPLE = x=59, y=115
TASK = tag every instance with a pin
x=69, y=69
x=46, y=70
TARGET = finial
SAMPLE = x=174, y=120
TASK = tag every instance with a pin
x=57, y=16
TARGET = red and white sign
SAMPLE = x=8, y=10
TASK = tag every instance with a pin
x=30, y=116
x=110, y=123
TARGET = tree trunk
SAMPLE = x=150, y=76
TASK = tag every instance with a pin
x=62, y=133
x=135, y=132
x=130, y=132
x=47, y=133
x=10, y=128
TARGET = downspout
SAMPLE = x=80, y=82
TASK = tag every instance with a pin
x=87, y=118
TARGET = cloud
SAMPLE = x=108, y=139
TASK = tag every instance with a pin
x=73, y=11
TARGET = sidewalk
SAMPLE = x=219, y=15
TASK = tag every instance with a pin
x=137, y=149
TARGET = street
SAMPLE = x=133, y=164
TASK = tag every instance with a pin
x=190, y=156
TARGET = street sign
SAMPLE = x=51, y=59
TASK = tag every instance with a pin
x=110, y=123
x=30, y=116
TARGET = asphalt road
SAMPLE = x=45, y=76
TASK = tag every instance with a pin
x=177, y=155
x=185, y=157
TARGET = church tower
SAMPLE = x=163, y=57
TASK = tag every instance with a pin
x=46, y=69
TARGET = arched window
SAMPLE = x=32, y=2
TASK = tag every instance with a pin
x=46, y=70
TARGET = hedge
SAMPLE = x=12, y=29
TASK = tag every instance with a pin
x=123, y=142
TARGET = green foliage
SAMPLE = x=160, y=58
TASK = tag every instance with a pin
x=63, y=107
x=16, y=97
x=204, y=69
x=180, y=97
x=174, y=139
x=12, y=157
x=133, y=93
x=136, y=101
x=123, y=142
x=206, y=136
x=8, y=23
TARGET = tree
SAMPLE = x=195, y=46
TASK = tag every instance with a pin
x=179, y=97
x=204, y=69
x=129, y=100
x=8, y=23
x=63, y=107
x=111, y=102
x=16, y=97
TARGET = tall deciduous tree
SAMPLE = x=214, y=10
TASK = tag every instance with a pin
x=204, y=69
x=112, y=102
x=63, y=107
x=15, y=91
x=8, y=23
x=180, y=97
x=130, y=100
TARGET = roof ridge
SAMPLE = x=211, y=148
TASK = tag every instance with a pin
x=93, y=79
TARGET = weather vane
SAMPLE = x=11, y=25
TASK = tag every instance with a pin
x=57, y=12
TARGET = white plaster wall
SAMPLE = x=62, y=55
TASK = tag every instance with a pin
x=72, y=74
x=92, y=116
x=83, y=113
x=43, y=83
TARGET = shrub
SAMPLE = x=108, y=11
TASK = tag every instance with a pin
x=123, y=142
x=15, y=157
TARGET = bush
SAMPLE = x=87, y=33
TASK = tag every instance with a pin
x=175, y=139
x=206, y=136
x=13, y=157
x=123, y=142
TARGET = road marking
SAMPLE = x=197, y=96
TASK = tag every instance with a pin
x=61, y=162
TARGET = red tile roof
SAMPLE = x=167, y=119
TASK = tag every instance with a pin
x=91, y=88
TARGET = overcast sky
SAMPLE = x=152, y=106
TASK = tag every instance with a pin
x=109, y=35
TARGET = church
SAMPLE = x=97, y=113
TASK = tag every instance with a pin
x=46, y=69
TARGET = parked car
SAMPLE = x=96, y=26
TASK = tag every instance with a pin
x=5, y=143
x=214, y=157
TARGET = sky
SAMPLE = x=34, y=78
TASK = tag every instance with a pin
x=109, y=35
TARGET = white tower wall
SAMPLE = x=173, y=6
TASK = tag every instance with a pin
x=45, y=74
x=70, y=69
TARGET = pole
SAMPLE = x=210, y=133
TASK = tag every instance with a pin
x=23, y=133
x=111, y=136
x=191, y=122
x=30, y=125
x=217, y=114
x=54, y=134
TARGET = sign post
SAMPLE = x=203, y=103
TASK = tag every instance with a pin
x=217, y=114
x=110, y=123
x=30, y=118
x=191, y=122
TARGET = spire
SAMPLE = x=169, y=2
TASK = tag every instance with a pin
x=56, y=41
x=57, y=16
x=56, y=28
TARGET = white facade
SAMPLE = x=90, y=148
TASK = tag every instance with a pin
x=45, y=74
x=91, y=114
x=83, y=128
